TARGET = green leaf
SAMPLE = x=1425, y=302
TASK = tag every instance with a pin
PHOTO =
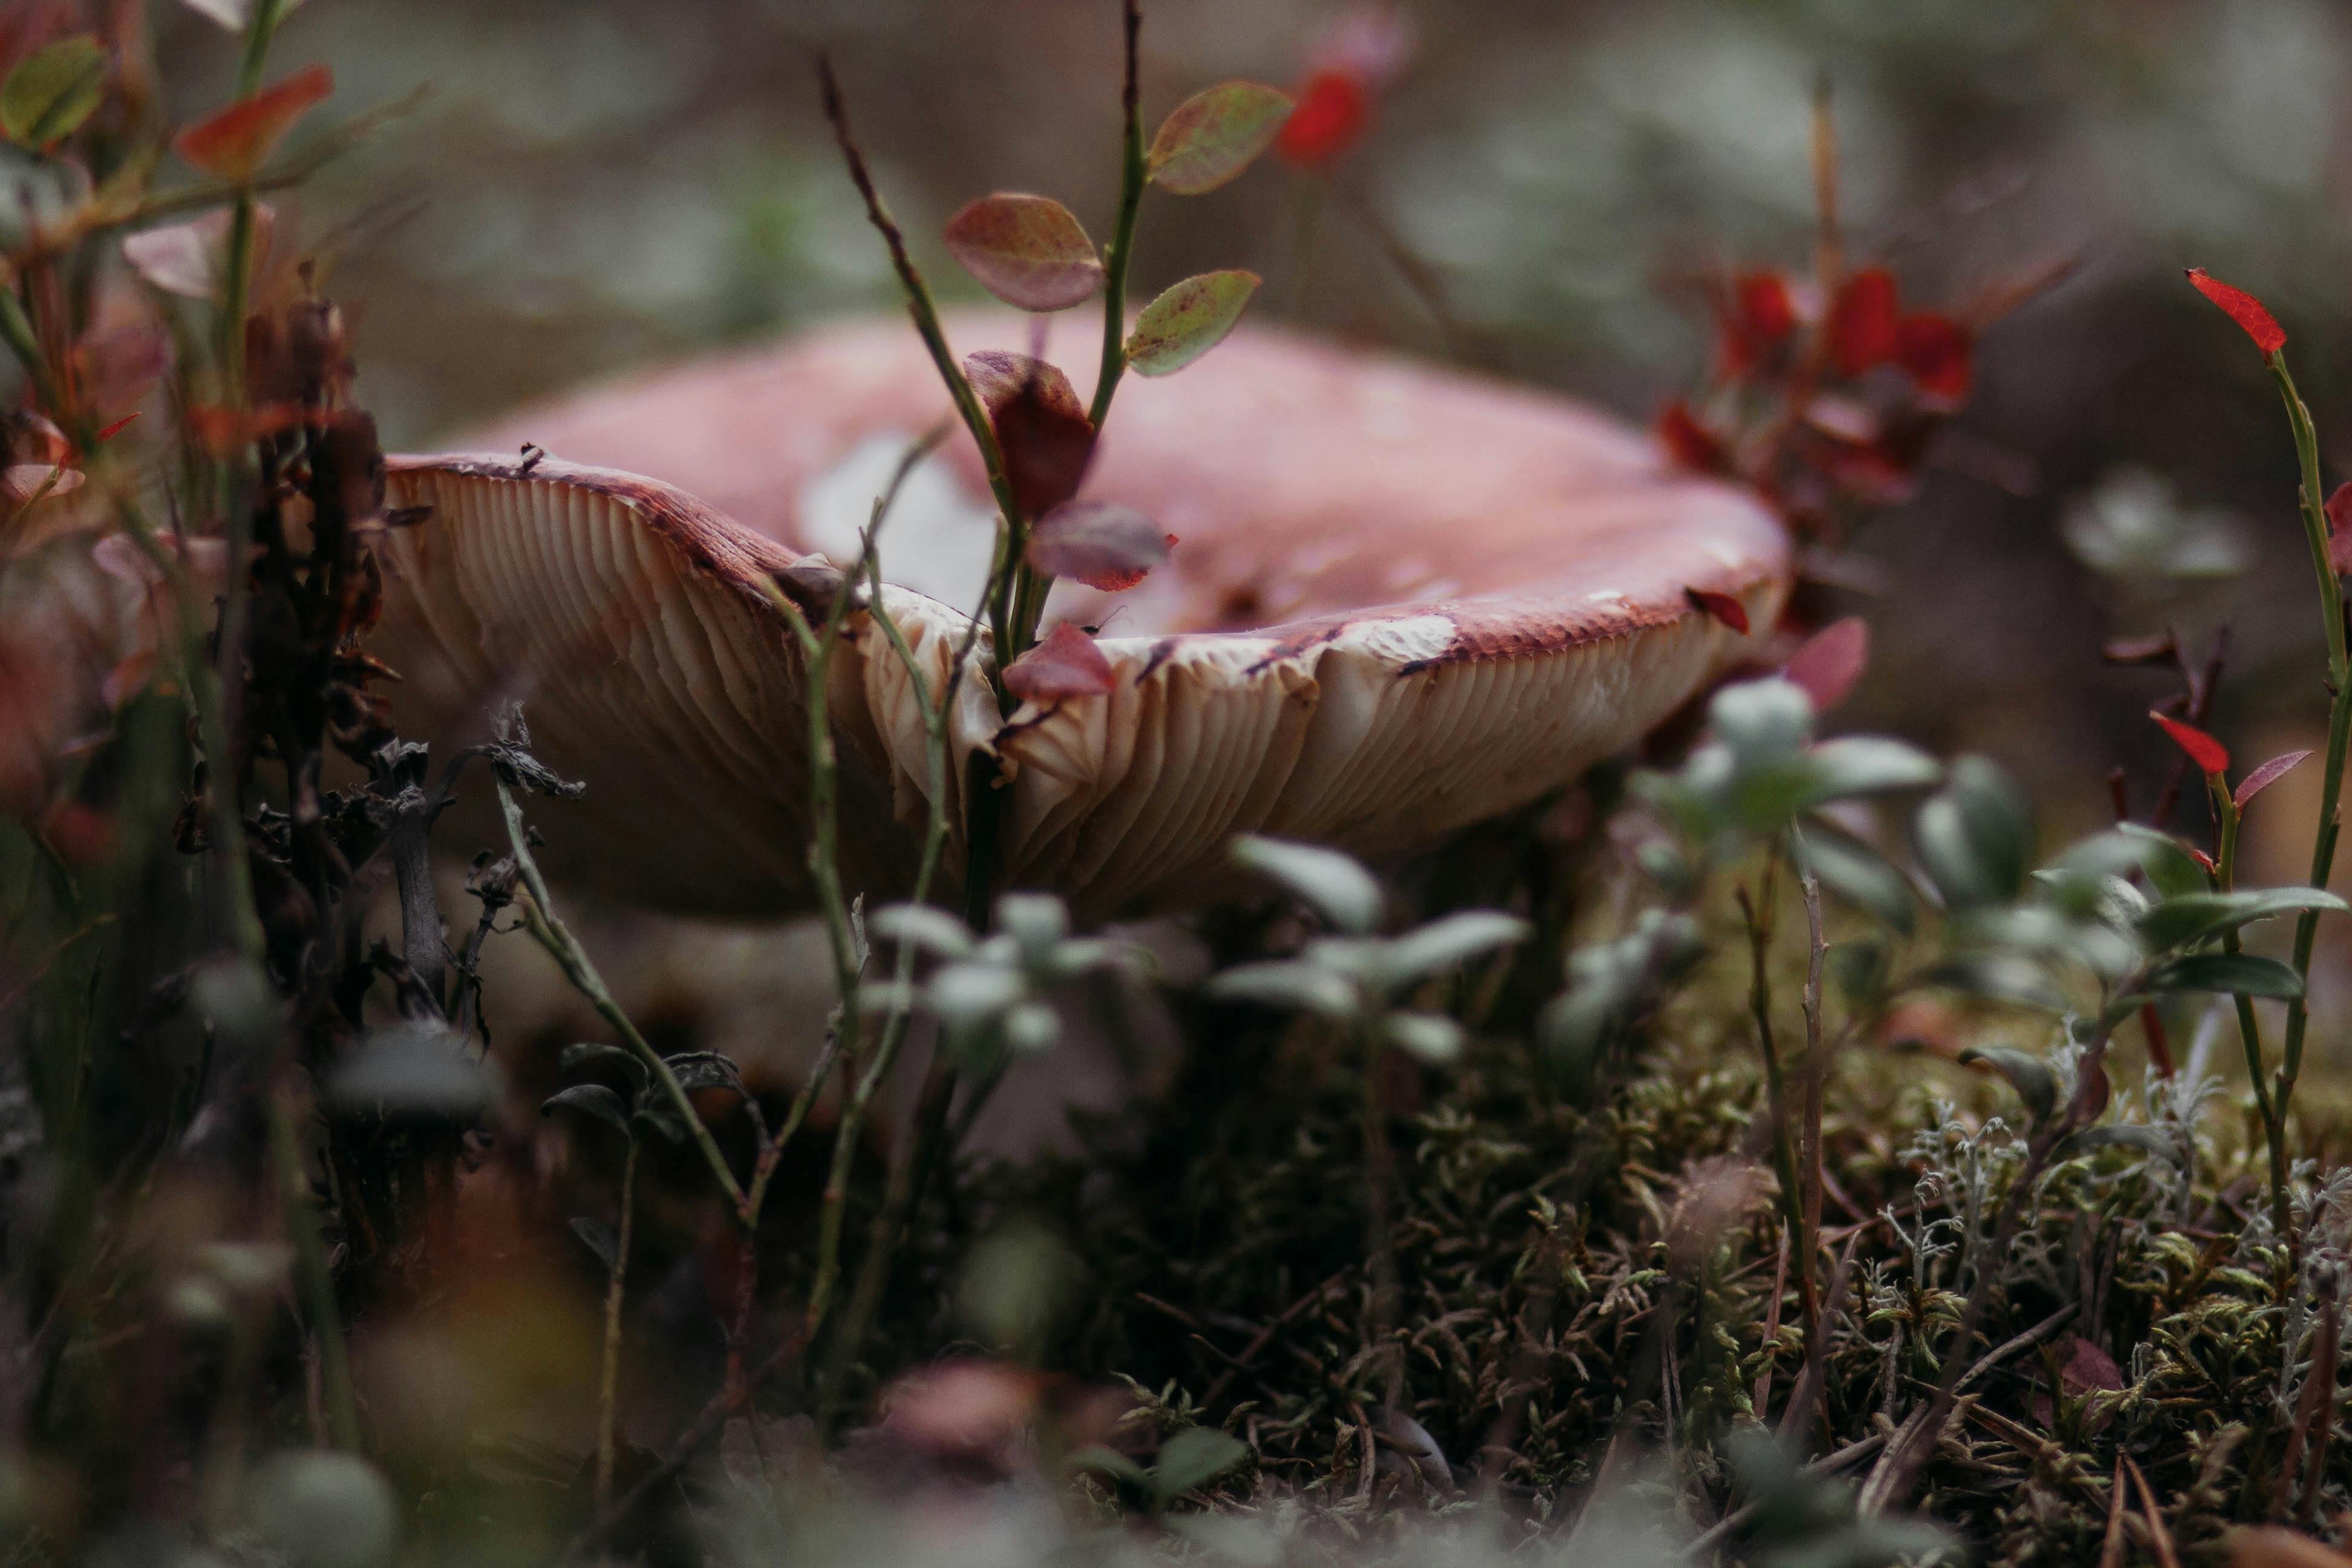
x=1214, y=134
x=1192, y=1457
x=2027, y=1073
x=660, y=1116
x=1999, y=818
x=593, y=1100
x=2196, y=915
x=1433, y=1039
x=1761, y=718
x=705, y=1070
x=591, y=1054
x=1446, y=944
x=600, y=1239
x=1867, y=764
x=1188, y=321
x=2171, y=870
x=1287, y=984
x=53, y=90
x=2001, y=977
x=1668, y=867
x=1855, y=872
x=1104, y=1461
x=2120, y=1135
x=1028, y=251
x=2238, y=974
x=933, y=930
x=970, y=993
x=1330, y=883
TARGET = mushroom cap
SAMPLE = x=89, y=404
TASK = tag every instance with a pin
x=1403, y=599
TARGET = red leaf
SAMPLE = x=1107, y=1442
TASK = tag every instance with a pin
x=1722, y=606
x=1334, y=111
x=2203, y=750
x=2262, y=777
x=1830, y=662
x=2241, y=308
x=2212, y=867
x=1045, y=436
x=1864, y=321
x=1690, y=443
x=2339, y=530
x=1938, y=352
x=1028, y=251
x=108, y=432
x=2089, y=1367
x=1758, y=318
x=1065, y=663
x=1100, y=544
x=234, y=143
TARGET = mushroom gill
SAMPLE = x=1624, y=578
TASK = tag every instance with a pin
x=1403, y=599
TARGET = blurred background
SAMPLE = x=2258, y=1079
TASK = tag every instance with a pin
x=587, y=186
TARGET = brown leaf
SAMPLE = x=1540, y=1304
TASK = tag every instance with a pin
x=1830, y=662
x=1100, y=543
x=1028, y=251
x=1044, y=435
x=1065, y=663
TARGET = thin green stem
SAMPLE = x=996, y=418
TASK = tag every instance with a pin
x=1117, y=253
x=16, y=328
x=2331, y=785
x=259, y=29
x=547, y=929
x=2250, y=1029
x=894, y=1030
x=315, y=1280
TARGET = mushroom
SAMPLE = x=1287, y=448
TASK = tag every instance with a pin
x=1404, y=599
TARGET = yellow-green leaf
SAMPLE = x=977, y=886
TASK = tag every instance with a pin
x=53, y=90
x=1188, y=321
x=1214, y=135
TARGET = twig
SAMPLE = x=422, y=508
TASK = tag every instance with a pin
x=549, y=930
x=1011, y=642
x=615, y=1287
x=690, y=1443
x=2160, y=1539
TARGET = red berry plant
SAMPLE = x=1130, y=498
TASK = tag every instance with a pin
x=1826, y=390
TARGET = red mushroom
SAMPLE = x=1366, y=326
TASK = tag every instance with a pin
x=1405, y=599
